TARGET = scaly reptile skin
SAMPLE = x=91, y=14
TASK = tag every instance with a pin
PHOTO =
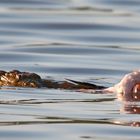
x=20, y=79
x=26, y=79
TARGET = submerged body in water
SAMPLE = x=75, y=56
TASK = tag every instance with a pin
x=127, y=89
x=26, y=79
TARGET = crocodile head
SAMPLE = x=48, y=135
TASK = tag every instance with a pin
x=20, y=79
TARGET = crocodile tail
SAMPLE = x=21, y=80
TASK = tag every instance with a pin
x=86, y=85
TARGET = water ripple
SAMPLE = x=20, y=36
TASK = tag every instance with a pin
x=86, y=40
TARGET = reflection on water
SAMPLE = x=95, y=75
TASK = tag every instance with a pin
x=96, y=41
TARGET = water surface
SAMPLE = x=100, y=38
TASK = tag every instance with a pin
x=96, y=41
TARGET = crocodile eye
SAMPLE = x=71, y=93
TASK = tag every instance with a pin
x=17, y=77
x=6, y=74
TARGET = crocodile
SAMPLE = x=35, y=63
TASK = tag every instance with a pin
x=127, y=89
x=17, y=78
